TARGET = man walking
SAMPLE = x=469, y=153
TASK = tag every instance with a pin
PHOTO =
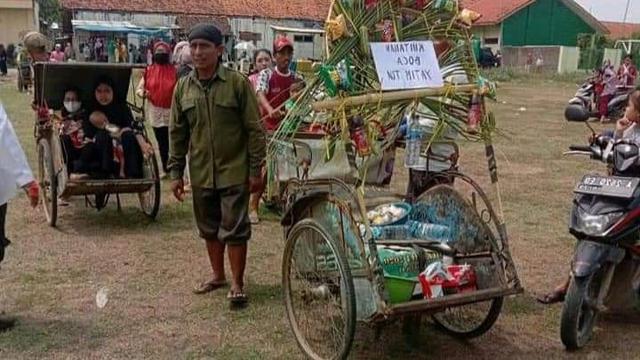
x=215, y=118
x=14, y=173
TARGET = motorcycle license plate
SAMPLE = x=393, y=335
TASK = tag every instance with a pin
x=621, y=187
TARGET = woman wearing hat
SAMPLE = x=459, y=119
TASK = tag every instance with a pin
x=157, y=86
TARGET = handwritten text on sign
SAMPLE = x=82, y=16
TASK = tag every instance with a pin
x=407, y=65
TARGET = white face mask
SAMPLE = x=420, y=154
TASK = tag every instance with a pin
x=72, y=106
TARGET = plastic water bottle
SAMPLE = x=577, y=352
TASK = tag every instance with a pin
x=376, y=232
x=391, y=232
x=414, y=143
x=426, y=231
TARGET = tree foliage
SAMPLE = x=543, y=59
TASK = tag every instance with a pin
x=50, y=11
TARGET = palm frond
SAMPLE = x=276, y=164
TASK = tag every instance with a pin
x=409, y=24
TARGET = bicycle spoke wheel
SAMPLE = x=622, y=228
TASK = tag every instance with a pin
x=150, y=199
x=319, y=294
x=48, y=182
x=469, y=321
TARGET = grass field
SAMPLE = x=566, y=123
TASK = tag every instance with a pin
x=51, y=276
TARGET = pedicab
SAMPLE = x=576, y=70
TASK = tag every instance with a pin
x=51, y=80
x=354, y=252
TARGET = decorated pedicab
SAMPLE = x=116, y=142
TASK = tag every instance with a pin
x=51, y=81
x=355, y=252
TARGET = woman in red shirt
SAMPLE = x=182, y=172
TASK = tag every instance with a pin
x=157, y=86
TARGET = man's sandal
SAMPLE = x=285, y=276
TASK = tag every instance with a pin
x=554, y=297
x=238, y=299
x=209, y=286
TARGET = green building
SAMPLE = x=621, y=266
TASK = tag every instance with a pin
x=532, y=22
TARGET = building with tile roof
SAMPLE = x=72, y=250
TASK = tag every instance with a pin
x=618, y=30
x=532, y=22
x=241, y=20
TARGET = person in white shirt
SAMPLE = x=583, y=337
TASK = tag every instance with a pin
x=14, y=174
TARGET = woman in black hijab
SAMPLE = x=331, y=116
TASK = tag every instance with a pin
x=97, y=156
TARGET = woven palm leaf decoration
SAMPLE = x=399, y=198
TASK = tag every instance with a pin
x=350, y=28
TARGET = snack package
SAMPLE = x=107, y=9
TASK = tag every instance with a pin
x=337, y=77
x=399, y=261
x=336, y=28
x=439, y=280
x=388, y=32
x=369, y=4
x=487, y=88
x=475, y=116
x=468, y=17
x=431, y=280
x=462, y=278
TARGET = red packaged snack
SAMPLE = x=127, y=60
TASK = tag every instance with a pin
x=462, y=279
x=475, y=114
x=439, y=280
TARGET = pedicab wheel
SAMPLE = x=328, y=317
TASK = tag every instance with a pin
x=318, y=292
x=48, y=182
x=578, y=312
x=469, y=321
x=150, y=199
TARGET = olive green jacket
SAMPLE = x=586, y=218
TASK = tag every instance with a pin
x=219, y=127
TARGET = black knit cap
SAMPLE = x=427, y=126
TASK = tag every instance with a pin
x=207, y=32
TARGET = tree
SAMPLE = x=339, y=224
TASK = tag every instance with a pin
x=50, y=11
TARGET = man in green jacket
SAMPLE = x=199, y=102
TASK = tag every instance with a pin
x=215, y=118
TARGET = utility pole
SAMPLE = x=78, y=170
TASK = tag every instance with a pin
x=626, y=12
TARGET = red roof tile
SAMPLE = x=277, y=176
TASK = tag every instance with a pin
x=186, y=22
x=495, y=11
x=316, y=10
x=619, y=30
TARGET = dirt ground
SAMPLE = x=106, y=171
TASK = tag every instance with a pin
x=51, y=276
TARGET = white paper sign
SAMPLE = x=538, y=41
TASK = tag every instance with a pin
x=407, y=65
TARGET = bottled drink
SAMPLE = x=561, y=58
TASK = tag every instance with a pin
x=391, y=232
x=475, y=113
x=414, y=143
x=426, y=231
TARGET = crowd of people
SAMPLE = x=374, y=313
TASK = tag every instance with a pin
x=220, y=138
x=101, y=49
x=213, y=121
x=609, y=82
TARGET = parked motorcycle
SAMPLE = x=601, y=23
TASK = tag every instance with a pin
x=584, y=104
x=605, y=220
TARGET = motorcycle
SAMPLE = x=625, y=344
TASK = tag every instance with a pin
x=583, y=105
x=605, y=220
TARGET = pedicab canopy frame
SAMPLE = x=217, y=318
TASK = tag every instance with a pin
x=332, y=267
x=50, y=82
